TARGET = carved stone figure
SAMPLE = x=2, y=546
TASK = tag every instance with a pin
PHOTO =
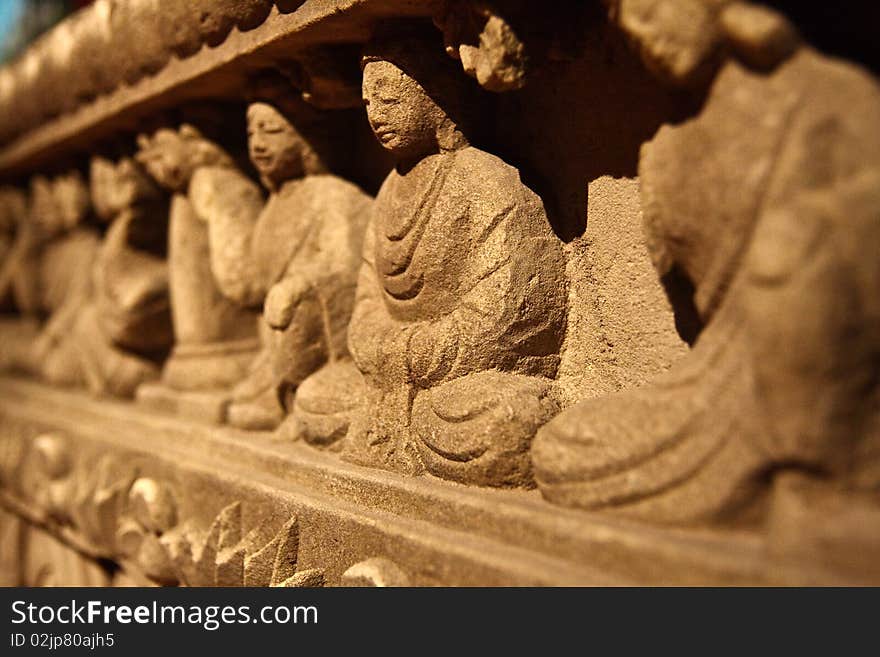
x=131, y=272
x=101, y=298
x=295, y=255
x=18, y=278
x=460, y=306
x=768, y=201
x=50, y=275
x=215, y=339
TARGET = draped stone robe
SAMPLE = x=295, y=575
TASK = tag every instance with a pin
x=311, y=229
x=461, y=301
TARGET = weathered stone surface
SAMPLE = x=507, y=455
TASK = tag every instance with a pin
x=784, y=374
x=620, y=251
x=295, y=254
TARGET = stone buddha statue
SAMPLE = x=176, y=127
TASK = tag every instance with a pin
x=215, y=339
x=18, y=292
x=13, y=209
x=295, y=255
x=131, y=272
x=767, y=202
x=460, y=308
x=51, y=274
x=63, y=273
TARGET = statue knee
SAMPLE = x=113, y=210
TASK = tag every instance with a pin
x=324, y=404
x=478, y=429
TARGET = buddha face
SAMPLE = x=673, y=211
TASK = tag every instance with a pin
x=404, y=118
x=71, y=199
x=276, y=148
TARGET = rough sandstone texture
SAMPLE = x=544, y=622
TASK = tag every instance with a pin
x=784, y=373
x=421, y=259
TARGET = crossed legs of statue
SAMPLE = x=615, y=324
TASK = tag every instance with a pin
x=680, y=448
x=475, y=429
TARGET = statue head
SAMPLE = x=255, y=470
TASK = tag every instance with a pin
x=277, y=149
x=57, y=205
x=116, y=186
x=172, y=156
x=416, y=101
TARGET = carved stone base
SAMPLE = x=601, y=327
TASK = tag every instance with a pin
x=105, y=473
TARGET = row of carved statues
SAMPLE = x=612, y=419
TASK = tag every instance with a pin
x=111, y=44
x=116, y=42
x=421, y=330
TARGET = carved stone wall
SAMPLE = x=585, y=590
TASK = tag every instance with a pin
x=460, y=292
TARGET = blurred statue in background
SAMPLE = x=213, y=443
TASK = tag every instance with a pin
x=56, y=268
x=131, y=298
x=48, y=272
x=13, y=210
x=215, y=339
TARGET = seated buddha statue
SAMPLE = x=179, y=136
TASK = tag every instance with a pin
x=51, y=276
x=215, y=339
x=17, y=330
x=57, y=273
x=13, y=208
x=293, y=255
x=767, y=204
x=460, y=308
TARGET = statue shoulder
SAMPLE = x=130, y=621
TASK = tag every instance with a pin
x=471, y=157
x=331, y=199
x=492, y=185
x=335, y=188
x=496, y=179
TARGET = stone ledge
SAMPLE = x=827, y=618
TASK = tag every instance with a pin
x=348, y=513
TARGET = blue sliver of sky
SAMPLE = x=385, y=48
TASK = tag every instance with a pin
x=10, y=12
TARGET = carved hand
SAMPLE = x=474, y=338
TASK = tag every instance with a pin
x=431, y=351
x=283, y=299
